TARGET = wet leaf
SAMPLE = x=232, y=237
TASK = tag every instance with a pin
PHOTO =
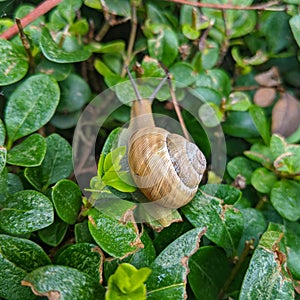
x=61, y=282
x=13, y=63
x=66, y=197
x=31, y=106
x=26, y=211
x=169, y=270
x=286, y=115
x=30, y=153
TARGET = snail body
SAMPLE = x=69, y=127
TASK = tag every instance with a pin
x=166, y=167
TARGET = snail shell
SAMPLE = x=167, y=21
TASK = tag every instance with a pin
x=166, y=167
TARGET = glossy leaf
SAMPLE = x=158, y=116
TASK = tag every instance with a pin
x=58, y=71
x=183, y=74
x=285, y=199
x=224, y=223
x=240, y=166
x=261, y=154
x=265, y=275
x=13, y=63
x=30, y=153
x=82, y=233
x=170, y=268
x=207, y=263
x=68, y=8
x=2, y=158
x=74, y=94
x=31, y=106
x=66, y=197
x=84, y=257
x=263, y=180
x=54, y=53
x=63, y=282
x=295, y=26
x=2, y=133
x=114, y=234
x=56, y=165
x=54, y=234
x=26, y=211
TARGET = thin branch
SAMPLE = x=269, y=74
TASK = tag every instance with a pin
x=266, y=6
x=25, y=43
x=40, y=10
x=132, y=37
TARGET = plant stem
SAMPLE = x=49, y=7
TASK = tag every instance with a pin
x=25, y=43
x=132, y=37
x=247, y=249
x=266, y=6
x=40, y=10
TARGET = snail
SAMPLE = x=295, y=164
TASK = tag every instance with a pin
x=166, y=167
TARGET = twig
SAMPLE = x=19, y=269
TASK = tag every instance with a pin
x=247, y=249
x=131, y=38
x=40, y=10
x=25, y=43
x=175, y=103
x=266, y=6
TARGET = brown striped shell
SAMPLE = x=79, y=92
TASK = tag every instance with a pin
x=166, y=167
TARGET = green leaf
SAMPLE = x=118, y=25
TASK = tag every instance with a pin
x=240, y=124
x=84, y=257
x=169, y=270
x=183, y=74
x=238, y=101
x=68, y=8
x=2, y=133
x=263, y=180
x=66, y=197
x=54, y=234
x=57, y=54
x=190, y=32
x=261, y=154
x=30, y=153
x=164, y=47
x=224, y=223
x=31, y=106
x=61, y=282
x=291, y=238
x=114, y=234
x=261, y=123
x=26, y=211
x=57, y=71
x=82, y=233
x=285, y=199
x=127, y=283
x=265, y=275
x=209, y=269
x=75, y=92
x=17, y=257
x=56, y=165
x=2, y=158
x=65, y=120
x=13, y=63
x=295, y=26
x=240, y=166
x=111, y=47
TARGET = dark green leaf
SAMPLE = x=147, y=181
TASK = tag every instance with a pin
x=58, y=71
x=2, y=133
x=54, y=234
x=61, y=282
x=240, y=166
x=285, y=199
x=265, y=275
x=263, y=180
x=295, y=25
x=261, y=123
x=224, y=223
x=75, y=92
x=183, y=74
x=13, y=63
x=82, y=233
x=169, y=270
x=65, y=120
x=56, y=165
x=209, y=269
x=68, y=8
x=2, y=158
x=261, y=154
x=26, y=211
x=66, y=197
x=30, y=153
x=84, y=257
x=57, y=54
x=114, y=234
x=31, y=106
x=164, y=46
